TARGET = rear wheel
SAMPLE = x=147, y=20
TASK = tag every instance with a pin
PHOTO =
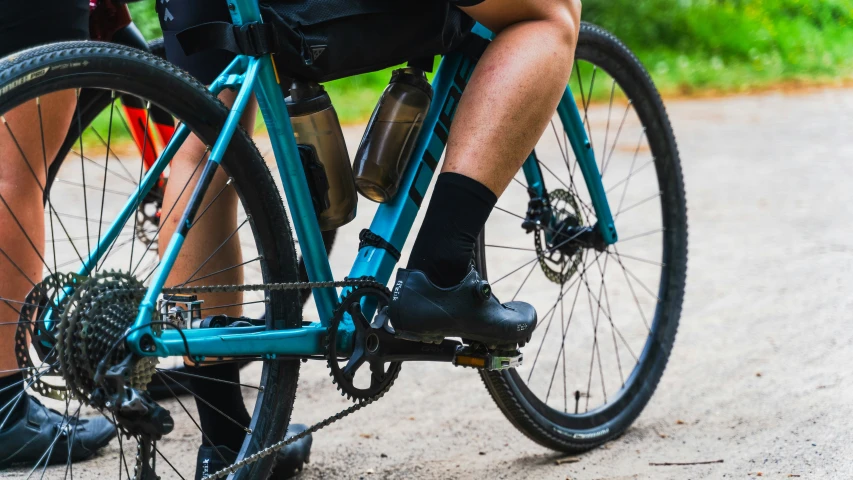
x=607, y=319
x=88, y=187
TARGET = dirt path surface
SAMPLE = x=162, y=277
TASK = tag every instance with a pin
x=760, y=375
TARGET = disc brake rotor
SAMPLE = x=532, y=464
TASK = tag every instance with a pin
x=558, y=265
x=35, y=340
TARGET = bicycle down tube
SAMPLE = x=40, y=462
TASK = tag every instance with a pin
x=393, y=220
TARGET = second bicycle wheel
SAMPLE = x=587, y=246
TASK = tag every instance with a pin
x=52, y=230
x=607, y=319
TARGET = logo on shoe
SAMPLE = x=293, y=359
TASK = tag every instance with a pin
x=521, y=327
x=397, y=287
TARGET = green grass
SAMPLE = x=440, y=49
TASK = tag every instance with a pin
x=689, y=46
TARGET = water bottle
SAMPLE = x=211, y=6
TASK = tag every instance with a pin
x=315, y=124
x=391, y=134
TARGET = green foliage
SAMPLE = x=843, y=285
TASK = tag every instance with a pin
x=687, y=45
x=732, y=44
x=145, y=17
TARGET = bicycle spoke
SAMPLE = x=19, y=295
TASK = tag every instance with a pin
x=512, y=248
x=163, y=220
x=83, y=171
x=226, y=269
x=184, y=408
x=46, y=456
x=645, y=200
x=634, y=172
x=628, y=178
x=607, y=128
x=609, y=310
x=109, y=146
x=551, y=312
x=113, y=172
x=634, y=294
x=44, y=163
x=106, y=163
x=640, y=235
x=41, y=188
x=200, y=215
x=121, y=459
x=650, y=262
x=523, y=282
x=141, y=164
x=168, y=462
x=203, y=400
x=225, y=242
x=616, y=139
x=211, y=379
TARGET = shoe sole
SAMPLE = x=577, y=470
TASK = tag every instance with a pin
x=437, y=339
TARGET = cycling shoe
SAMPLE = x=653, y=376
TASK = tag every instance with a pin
x=27, y=439
x=289, y=460
x=423, y=312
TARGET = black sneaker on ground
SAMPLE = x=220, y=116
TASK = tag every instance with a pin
x=26, y=439
x=289, y=461
x=423, y=312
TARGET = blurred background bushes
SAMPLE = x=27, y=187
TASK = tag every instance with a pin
x=689, y=46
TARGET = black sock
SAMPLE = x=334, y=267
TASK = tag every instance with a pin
x=228, y=398
x=11, y=398
x=456, y=214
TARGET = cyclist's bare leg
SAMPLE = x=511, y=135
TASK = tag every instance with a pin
x=23, y=195
x=514, y=89
x=206, y=250
x=510, y=97
x=212, y=229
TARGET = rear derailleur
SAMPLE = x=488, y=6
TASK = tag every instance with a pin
x=134, y=410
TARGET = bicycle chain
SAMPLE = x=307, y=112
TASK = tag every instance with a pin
x=347, y=282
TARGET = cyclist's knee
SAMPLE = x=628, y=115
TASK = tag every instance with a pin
x=565, y=18
x=562, y=16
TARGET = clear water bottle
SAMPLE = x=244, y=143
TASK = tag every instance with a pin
x=391, y=134
x=315, y=123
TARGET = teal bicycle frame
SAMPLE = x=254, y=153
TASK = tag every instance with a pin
x=393, y=220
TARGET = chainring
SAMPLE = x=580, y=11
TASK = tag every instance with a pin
x=94, y=322
x=557, y=265
x=381, y=378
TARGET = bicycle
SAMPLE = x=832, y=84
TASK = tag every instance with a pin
x=568, y=223
x=111, y=23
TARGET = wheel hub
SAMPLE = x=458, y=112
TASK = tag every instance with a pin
x=555, y=240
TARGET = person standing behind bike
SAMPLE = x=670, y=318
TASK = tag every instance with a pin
x=28, y=428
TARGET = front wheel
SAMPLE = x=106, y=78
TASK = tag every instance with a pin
x=607, y=319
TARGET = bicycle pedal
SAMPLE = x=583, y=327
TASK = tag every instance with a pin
x=487, y=360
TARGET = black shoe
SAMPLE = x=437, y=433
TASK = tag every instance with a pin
x=423, y=312
x=289, y=461
x=26, y=439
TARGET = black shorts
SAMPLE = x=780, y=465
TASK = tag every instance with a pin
x=23, y=25
x=208, y=64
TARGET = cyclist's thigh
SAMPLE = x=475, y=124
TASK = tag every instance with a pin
x=25, y=24
x=177, y=15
